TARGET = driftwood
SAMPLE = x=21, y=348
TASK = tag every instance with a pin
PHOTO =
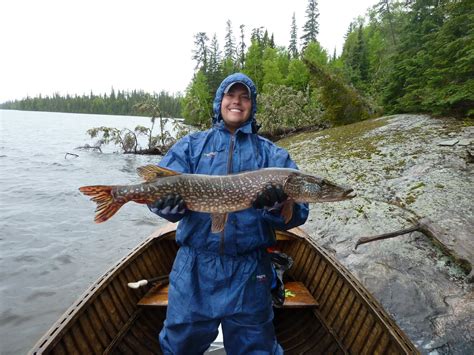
x=424, y=225
x=437, y=235
x=72, y=154
x=87, y=146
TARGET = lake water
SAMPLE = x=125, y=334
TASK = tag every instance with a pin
x=50, y=249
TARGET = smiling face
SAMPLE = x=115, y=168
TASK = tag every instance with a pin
x=236, y=106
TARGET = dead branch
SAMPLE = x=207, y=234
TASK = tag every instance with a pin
x=424, y=225
x=373, y=238
x=74, y=155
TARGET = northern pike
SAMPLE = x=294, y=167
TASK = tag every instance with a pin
x=215, y=194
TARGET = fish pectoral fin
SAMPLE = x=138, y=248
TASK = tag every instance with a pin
x=218, y=222
x=153, y=172
x=287, y=210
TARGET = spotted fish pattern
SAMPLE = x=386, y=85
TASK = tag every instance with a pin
x=215, y=194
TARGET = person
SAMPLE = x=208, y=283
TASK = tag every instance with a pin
x=224, y=278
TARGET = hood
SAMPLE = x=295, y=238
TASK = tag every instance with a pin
x=231, y=79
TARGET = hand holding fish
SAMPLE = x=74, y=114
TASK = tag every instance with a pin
x=271, y=197
x=171, y=204
x=217, y=194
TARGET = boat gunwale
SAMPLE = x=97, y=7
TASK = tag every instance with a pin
x=80, y=305
x=373, y=306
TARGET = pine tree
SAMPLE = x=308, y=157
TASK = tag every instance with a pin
x=229, y=47
x=406, y=84
x=311, y=27
x=384, y=8
x=200, y=53
x=214, y=73
x=242, y=46
x=293, y=47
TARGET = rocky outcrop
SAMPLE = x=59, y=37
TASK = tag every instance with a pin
x=402, y=170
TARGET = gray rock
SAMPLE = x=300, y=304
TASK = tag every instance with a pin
x=465, y=141
x=400, y=176
x=450, y=142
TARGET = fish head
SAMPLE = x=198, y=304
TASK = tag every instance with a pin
x=309, y=188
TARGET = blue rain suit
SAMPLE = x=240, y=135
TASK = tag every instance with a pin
x=224, y=277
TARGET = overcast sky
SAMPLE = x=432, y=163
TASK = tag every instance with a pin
x=77, y=46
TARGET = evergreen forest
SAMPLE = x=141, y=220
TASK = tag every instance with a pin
x=402, y=56
x=114, y=103
x=412, y=56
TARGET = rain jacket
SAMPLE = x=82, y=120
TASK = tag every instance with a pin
x=224, y=278
x=218, y=152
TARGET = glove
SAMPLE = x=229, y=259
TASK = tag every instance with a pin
x=270, y=198
x=169, y=205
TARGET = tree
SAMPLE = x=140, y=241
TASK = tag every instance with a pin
x=356, y=58
x=342, y=104
x=197, y=102
x=152, y=108
x=316, y=54
x=311, y=27
x=125, y=138
x=271, y=71
x=282, y=109
x=384, y=9
x=254, y=63
x=242, y=46
x=229, y=47
x=293, y=47
x=298, y=75
x=214, y=72
x=200, y=52
x=432, y=69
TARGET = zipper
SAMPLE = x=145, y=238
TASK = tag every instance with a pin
x=229, y=171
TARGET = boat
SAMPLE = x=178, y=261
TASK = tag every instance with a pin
x=333, y=314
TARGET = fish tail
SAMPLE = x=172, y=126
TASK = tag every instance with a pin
x=106, y=204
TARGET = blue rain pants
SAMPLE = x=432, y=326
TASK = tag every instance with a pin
x=235, y=292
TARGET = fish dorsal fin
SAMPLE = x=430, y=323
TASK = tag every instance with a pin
x=153, y=172
x=218, y=222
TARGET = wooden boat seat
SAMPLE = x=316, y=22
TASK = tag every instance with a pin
x=299, y=296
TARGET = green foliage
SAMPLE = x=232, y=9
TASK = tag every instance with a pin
x=197, y=109
x=125, y=138
x=432, y=68
x=272, y=74
x=342, y=104
x=298, y=75
x=254, y=63
x=283, y=108
x=316, y=54
x=356, y=58
x=415, y=55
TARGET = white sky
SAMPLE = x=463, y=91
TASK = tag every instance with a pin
x=77, y=46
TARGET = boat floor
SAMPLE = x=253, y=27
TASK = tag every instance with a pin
x=299, y=331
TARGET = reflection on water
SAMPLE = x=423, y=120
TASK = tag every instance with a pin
x=50, y=248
